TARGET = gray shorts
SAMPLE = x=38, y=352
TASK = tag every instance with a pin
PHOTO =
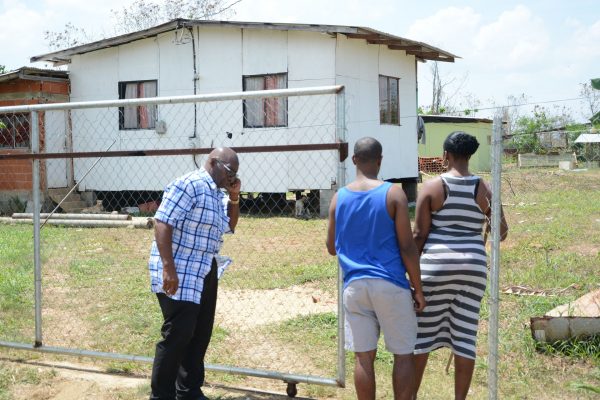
x=372, y=305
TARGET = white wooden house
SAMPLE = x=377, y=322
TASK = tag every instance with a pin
x=183, y=57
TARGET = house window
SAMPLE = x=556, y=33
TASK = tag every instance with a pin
x=262, y=113
x=389, y=103
x=14, y=131
x=137, y=117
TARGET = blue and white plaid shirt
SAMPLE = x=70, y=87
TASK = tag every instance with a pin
x=196, y=209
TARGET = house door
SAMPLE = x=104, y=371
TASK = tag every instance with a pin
x=55, y=124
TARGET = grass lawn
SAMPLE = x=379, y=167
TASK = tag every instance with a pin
x=278, y=300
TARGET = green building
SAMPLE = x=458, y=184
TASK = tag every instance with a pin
x=438, y=127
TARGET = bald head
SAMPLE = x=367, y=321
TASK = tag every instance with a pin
x=367, y=150
x=222, y=164
x=224, y=154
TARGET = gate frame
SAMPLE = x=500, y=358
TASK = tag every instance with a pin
x=340, y=144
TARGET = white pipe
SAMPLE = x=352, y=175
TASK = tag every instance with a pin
x=341, y=182
x=104, y=217
x=37, y=206
x=310, y=379
x=143, y=223
x=201, y=98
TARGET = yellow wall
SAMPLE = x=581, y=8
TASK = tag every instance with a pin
x=436, y=133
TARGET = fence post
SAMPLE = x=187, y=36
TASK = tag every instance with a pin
x=495, y=267
x=341, y=182
x=35, y=148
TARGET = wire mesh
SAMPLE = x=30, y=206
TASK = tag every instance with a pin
x=279, y=296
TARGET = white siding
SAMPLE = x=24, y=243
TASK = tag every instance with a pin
x=175, y=63
x=223, y=56
x=219, y=60
x=96, y=76
x=400, y=142
x=264, y=51
x=311, y=61
x=358, y=66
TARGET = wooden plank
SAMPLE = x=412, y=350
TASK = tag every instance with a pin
x=406, y=47
x=386, y=41
x=368, y=36
x=424, y=54
x=442, y=59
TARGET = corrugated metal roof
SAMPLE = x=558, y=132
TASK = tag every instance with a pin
x=588, y=138
x=422, y=51
x=453, y=119
x=30, y=73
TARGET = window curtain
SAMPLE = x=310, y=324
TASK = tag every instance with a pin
x=394, y=101
x=147, y=114
x=383, y=100
x=254, y=108
x=275, y=107
x=130, y=113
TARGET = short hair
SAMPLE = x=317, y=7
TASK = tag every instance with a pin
x=368, y=149
x=461, y=143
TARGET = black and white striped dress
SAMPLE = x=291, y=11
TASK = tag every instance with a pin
x=453, y=271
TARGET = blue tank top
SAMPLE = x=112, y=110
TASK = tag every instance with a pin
x=365, y=237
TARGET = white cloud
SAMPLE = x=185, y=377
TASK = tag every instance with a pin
x=19, y=25
x=450, y=29
x=24, y=22
x=330, y=12
x=584, y=43
x=516, y=39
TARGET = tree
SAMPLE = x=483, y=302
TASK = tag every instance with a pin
x=469, y=105
x=513, y=107
x=443, y=91
x=70, y=36
x=590, y=100
x=140, y=15
x=2, y=69
x=525, y=135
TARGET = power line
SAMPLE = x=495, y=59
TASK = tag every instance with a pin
x=477, y=109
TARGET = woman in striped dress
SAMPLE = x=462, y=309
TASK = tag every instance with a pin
x=450, y=215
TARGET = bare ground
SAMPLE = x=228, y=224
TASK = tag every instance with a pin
x=238, y=310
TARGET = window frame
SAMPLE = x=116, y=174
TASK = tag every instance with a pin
x=285, y=111
x=388, y=100
x=122, y=85
x=13, y=129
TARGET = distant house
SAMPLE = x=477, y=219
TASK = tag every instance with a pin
x=591, y=148
x=438, y=127
x=183, y=57
x=26, y=86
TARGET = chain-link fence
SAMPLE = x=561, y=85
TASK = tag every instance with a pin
x=105, y=164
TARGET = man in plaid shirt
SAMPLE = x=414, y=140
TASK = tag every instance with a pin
x=190, y=223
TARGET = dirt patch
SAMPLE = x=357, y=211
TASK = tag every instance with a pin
x=585, y=249
x=247, y=309
x=71, y=381
x=63, y=307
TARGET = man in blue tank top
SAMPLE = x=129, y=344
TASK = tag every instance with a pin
x=369, y=230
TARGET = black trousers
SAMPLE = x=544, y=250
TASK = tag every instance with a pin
x=178, y=369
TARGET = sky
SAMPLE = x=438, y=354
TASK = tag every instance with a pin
x=543, y=49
